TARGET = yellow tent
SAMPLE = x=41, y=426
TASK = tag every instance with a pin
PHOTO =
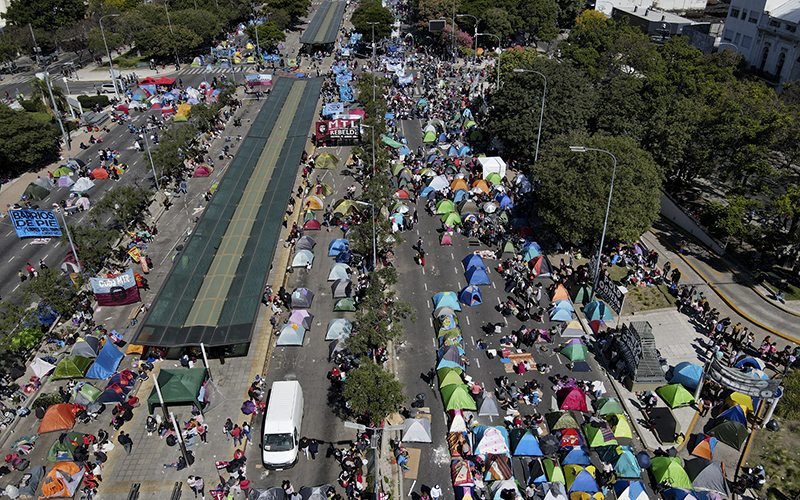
x=737, y=398
x=314, y=203
x=619, y=425
x=249, y=46
x=183, y=110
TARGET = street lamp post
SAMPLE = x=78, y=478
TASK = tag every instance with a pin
x=582, y=149
x=108, y=53
x=372, y=24
x=64, y=133
x=498, y=55
x=71, y=244
x=150, y=156
x=475, y=56
x=169, y=22
x=541, y=114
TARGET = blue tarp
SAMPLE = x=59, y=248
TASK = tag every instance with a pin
x=473, y=260
x=687, y=374
x=106, y=363
x=471, y=295
x=477, y=276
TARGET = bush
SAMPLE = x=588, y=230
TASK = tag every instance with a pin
x=46, y=401
x=89, y=101
x=128, y=62
x=30, y=106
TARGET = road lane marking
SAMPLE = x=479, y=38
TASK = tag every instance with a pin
x=431, y=320
x=9, y=233
x=494, y=286
x=472, y=339
x=426, y=285
x=467, y=318
x=12, y=258
x=455, y=269
x=478, y=362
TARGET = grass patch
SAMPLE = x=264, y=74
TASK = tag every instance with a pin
x=639, y=298
x=791, y=291
x=124, y=62
x=779, y=453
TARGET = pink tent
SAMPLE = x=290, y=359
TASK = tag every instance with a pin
x=202, y=171
x=445, y=239
x=571, y=398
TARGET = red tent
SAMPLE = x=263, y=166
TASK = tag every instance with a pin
x=571, y=398
x=402, y=194
x=147, y=81
x=165, y=81
x=100, y=173
x=312, y=224
x=525, y=232
x=123, y=108
x=540, y=267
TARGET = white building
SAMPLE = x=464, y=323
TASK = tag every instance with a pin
x=607, y=6
x=765, y=33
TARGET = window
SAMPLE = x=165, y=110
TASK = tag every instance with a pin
x=747, y=41
x=764, y=56
x=727, y=36
x=753, y=19
x=735, y=12
x=781, y=62
x=744, y=14
x=774, y=23
x=790, y=28
x=736, y=39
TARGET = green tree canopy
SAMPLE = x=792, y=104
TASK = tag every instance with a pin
x=128, y=204
x=372, y=392
x=92, y=245
x=26, y=144
x=267, y=33
x=174, y=146
x=371, y=11
x=203, y=23
x=45, y=14
x=575, y=188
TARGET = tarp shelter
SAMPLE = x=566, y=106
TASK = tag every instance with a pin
x=291, y=334
x=492, y=164
x=180, y=386
x=675, y=395
x=524, y=443
x=72, y=367
x=604, y=406
x=106, y=363
x=305, y=243
x=446, y=299
x=687, y=374
x=597, y=310
x=346, y=304
x=35, y=193
x=703, y=446
x=302, y=258
x=558, y=420
x=57, y=418
x=63, y=480
x=729, y=432
x=301, y=298
x=631, y=490
x=31, y=485
x=342, y=288
x=41, y=367
x=571, y=398
x=707, y=475
x=473, y=261
x=669, y=469
x=490, y=440
x=338, y=246
x=578, y=455
x=457, y=397
x=339, y=328
x=477, y=276
x=736, y=413
x=417, y=430
x=599, y=436
x=488, y=405
x=339, y=271
x=471, y=295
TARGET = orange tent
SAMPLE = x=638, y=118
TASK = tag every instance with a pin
x=480, y=183
x=58, y=417
x=459, y=184
x=62, y=480
x=100, y=173
x=314, y=203
x=560, y=293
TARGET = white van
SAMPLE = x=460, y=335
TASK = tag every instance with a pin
x=282, y=424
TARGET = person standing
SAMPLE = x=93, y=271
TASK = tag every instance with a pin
x=190, y=481
x=227, y=428
x=436, y=492
x=313, y=448
x=303, y=445
x=126, y=442
x=244, y=484
x=422, y=256
x=236, y=433
x=199, y=487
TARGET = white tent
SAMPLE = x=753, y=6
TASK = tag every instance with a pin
x=302, y=258
x=492, y=164
x=555, y=491
x=458, y=424
x=41, y=367
x=439, y=183
x=82, y=185
x=417, y=430
x=488, y=406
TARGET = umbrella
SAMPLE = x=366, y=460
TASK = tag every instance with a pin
x=248, y=407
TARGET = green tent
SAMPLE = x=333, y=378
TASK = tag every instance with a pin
x=445, y=207
x=595, y=436
x=391, y=142
x=88, y=392
x=508, y=247
x=71, y=367
x=430, y=136
x=64, y=446
x=494, y=178
x=469, y=124
x=62, y=171
x=327, y=161
x=581, y=294
x=35, y=193
x=553, y=471
x=449, y=331
x=558, y=420
x=397, y=168
x=604, y=406
x=729, y=432
x=669, y=469
x=476, y=135
x=180, y=386
x=457, y=397
x=675, y=395
x=309, y=216
x=575, y=352
x=451, y=377
x=452, y=219
x=346, y=304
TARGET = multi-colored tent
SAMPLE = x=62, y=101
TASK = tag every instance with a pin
x=63, y=480
x=703, y=446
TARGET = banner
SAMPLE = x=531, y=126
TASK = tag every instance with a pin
x=346, y=93
x=742, y=382
x=337, y=129
x=405, y=80
x=134, y=253
x=333, y=108
x=117, y=291
x=259, y=79
x=36, y=223
x=612, y=295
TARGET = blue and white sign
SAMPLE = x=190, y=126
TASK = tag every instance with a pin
x=333, y=108
x=36, y=223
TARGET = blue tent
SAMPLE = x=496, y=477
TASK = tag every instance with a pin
x=473, y=260
x=404, y=151
x=477, y=276
x=448, y=364
x=530, y=253
x=106, y=363
x=564, y=304
x=344, y=256
x=632, y=489
x=471, y=295
x=338, y=246
x=460, y=195
x=426, y=191
x=681, y=494
x=578, y=455
x=432, y=158
x=506, y=203
x=524, y=443
x=442, y=138
x=745, y=362
x=584, y=482
x=463, y=150
x=597, y=310
x=560, y=315
x=626, y=464
x=735, y=413
x=446, y=299
x=687, y=374
x=452, y=151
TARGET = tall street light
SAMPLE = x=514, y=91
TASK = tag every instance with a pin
x=498, y=55
x=64, y=133
x=150, y=156
x=108, y=53
x=373, y=58
x=475, y=56
x=169, y=22
x=541, y=114
x=581, y=149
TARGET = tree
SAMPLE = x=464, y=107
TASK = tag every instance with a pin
x=95, y=42
x=541, y=16
x=726, y=221
x=53, y=290
x=268, y=33
x=92, y=245
x=592, y=36
x=569, y=11
x=160, y=41
x=372, y=392
x=26, y=144
x=174, y=146
x=45, y=14
x=575, y=188
x=295, y=9
x=202, y=22
x=203, y=116
x=75, y=38
x=371, y=11
x=40, y=94
x=128, y=204
x=788, y=205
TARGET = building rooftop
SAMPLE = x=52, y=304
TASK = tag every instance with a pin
x=653, y=15
x=788, y=11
